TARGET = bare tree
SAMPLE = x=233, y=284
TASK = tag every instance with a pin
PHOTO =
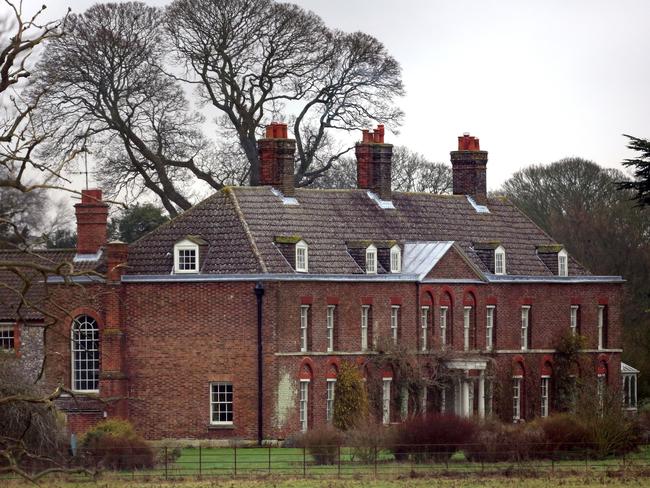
x=256, y=59
x=411, y=172
x=104, y=92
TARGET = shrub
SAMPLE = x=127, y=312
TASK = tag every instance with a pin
x=497, y=442
x=323, y=444
x=114, y=444
x=168, y=452
x=564, y=435
x=350, y=398
x=434, y=436
x=367, y=439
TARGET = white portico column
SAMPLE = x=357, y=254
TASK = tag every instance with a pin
x=481, y=394
x=465, y=397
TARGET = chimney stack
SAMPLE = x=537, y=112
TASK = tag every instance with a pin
x=92, y=218
x=374, y=159
x=276, y=152
x=469, y=169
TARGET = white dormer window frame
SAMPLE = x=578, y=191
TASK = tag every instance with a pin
x=500, y=261
x=302, y=257
x=395, y=259
x=562, y=263
x=371, y=259
x=183, y=251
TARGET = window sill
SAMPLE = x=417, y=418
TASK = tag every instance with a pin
x=221, y=426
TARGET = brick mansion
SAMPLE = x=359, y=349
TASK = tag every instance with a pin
x=233, y=319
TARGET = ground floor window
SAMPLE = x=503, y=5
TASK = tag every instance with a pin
x=386, y=400
x=304, y=405
x=331, y=386
x=516, y=399
x=544, y=396
x=221, y=411
x=85, y=354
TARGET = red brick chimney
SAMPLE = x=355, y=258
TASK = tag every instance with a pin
x=469, y=169
x=374, y=163
x=276, y=152
x=92, y=216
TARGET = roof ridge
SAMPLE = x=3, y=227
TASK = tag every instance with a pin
x=247, y=231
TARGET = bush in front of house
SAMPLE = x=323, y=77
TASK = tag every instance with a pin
x=114, y=444
x=431, y=437
x=323, y=444
x=350, y=398
x=496, y=442
x=367, y=439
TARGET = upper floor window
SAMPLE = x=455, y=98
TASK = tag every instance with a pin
x=7, y=339
x=500, y=261
x=365, y=321
x=85, y=354
x=304, y=327
x=331, y=311
x=394, y=322
x=602, y=326
x=186, y=257
x=489, y=327
x=562, y=263
x=525, y=326
x=221, y=403
x=575, y=319
x=302, y=257
x=395, y=259
x=371, y=259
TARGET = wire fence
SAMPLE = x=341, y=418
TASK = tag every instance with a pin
x=366, y=461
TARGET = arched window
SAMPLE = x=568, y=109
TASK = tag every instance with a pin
x=395, y=259
x=85, y=354
x=562, y=263
x=302, y=257
x=500, y=261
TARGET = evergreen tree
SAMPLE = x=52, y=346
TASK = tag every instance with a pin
x=350, y=398
x=641, y=165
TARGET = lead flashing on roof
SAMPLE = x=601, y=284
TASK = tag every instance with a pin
x=477, y=207
x=82, y=279
x=87, y=257
x=554, y=279
x=385, y=204
x=285, y=200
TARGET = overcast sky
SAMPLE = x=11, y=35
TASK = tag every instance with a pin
x=536, y=81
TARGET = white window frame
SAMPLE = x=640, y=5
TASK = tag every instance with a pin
x=467, y=322
x=601, y=327
x=575, y=310
x=424, y=326
x=331, y=311
x=424, y=398
x=365, y=314
x=302, y=257
x=304, y=405
x=329, y=400
x=525, y=324
x=186, y=245
x=562, y=263
x=500, y=261
x=444, y=312
x=304, y=327
x=395, y=259
x=544, y=395
x=489, y=327
x=7, y=337
x=385, y=400
x=80, y=354
x=516, y=398
x=216, y=406
x=394, y=322
x=371, y=259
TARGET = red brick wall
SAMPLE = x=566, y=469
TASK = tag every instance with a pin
x=452, y=265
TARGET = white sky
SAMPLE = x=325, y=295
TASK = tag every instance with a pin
x=536, y=81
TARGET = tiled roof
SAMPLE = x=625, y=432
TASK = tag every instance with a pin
x=20, y=279
x=241, y=224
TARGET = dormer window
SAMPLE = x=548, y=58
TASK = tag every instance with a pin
x=562, y=263
x=371, y=259
x=500, y=261
x=302, y=257
x=186, y=256
x=395, y=259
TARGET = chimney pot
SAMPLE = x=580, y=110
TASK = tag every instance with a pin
x=92, y=218
x=374, y=161
x=469, y=169
x=276, y=153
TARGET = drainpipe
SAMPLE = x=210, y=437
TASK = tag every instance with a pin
x=259, y=293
